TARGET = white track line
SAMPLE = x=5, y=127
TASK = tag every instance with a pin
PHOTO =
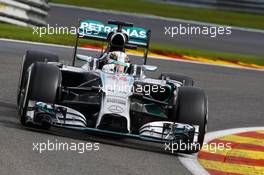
x=154, y=57
x=148, y=16
x=191, y=161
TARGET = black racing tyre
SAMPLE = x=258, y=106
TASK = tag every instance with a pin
x=42, y=83
x=192, y=109
x=29, y=58
x=185, y=80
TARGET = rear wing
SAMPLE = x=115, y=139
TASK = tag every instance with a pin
x=96, y=30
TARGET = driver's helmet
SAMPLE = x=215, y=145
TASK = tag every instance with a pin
x=116, y=62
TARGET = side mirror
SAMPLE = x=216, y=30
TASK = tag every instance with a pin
x=149, y=68
x=84, y=58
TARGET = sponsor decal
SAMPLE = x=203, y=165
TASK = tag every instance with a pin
x=117, y=78
x=99, y=28
x=115, y=109
x=123, y=79
x=96, y=29
x=116, y=100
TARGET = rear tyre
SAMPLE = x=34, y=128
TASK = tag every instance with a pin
x=42, y=82
x=185, y=80
x=32, y=57
x=193, y=109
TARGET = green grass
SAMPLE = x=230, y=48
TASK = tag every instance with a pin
x=249, y=59
x=27, y=34
x=173, y=11
x=23, y=33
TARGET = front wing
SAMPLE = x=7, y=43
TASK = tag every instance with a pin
x=158, y=131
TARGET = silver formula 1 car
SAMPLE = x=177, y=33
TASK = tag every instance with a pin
x=110, y=94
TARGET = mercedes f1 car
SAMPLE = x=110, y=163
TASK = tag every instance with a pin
x=110, y=94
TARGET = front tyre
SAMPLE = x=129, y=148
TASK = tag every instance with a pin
x=192, y=109
x=42, y=82
x=29, y=58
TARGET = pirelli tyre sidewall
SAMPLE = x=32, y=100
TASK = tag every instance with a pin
x=192, y=108
x=185, y=80
x=29, y=58
x=42, y=83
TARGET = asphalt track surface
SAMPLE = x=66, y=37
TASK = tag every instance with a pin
x=239, y=42
x=236, y=99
